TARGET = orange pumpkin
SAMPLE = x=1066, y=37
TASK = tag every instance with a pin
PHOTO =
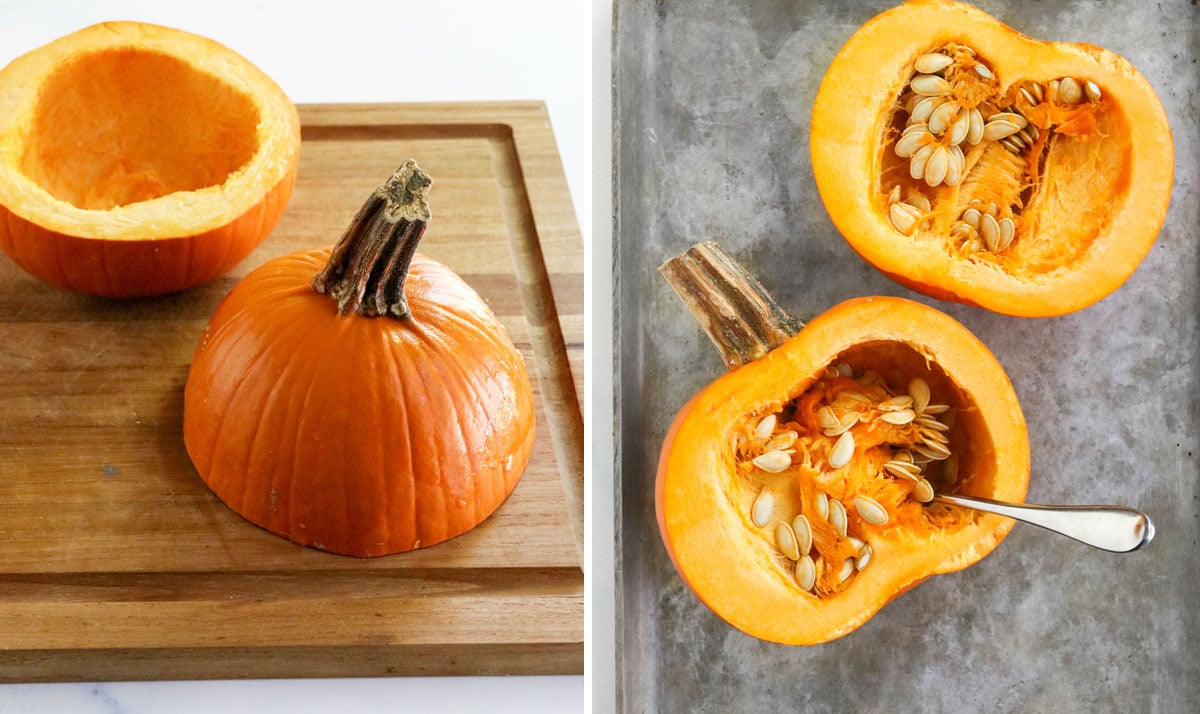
x=972, y=163
x=793, y=492
x=140, y=159
x=378, y=408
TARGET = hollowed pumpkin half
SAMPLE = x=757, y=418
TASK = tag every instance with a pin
x=972, y=163
x=773, y=521
x=138, y=160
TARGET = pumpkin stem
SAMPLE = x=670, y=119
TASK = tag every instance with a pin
x=737, y=312
x=366, y=271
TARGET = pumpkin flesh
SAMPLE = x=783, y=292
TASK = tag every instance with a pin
x=1085, y=186
x=706, y=489
x=140, y=159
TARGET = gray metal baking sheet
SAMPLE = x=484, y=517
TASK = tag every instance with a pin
x=712, y=103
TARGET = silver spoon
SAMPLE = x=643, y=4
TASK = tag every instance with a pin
x=1114, y=528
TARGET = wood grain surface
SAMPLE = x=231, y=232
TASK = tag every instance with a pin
x=116, y=562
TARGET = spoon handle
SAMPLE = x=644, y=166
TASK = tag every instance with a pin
x=1114, y=528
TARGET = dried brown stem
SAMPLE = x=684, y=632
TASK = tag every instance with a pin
x=366, y=271
x=737, y=312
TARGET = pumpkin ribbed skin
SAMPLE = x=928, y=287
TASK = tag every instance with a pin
x=140, y=160
x=362, y=436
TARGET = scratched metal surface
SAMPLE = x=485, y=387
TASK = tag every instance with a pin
x=712, y=109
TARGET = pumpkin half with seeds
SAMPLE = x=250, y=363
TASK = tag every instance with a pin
x=972, y=163
x=794, y=493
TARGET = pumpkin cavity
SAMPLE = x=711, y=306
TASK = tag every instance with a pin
x=855, y=457
x=975, y=160
x=119, y=126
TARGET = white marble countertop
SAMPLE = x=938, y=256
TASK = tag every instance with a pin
x=325, y=53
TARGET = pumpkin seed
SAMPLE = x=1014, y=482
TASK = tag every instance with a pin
x=1013, y=144
x=910, y=143
x=899, y=418
x=940, y=120
x=998, y=129
x=916, y=166
x=932, y=449
x=950, y=469
x=954, y=167
x=933, y=438
x=863, y=557
x=984, y=72
x=1069, y=91
x=858, y=543
x=782, y=440
x=802, y=529
x=917, y=199
x=975, y=130
x=1037, y=90
x=773, y=462
x=848, y=420
x=806, y=573
x=785, y=538
x=918, y=389
x=1092, y=90
x=1029, y=96
x=1052, y=91
x=763, y=506
x=846, y=571
x=971, y=216
x=845, y=370
x=932, y=62
x=923, y=109
x=766, y=427
x=920, y=458
x=936, y=409
x=990, y=230
x=926, y=421
x=826, y=419
x=923, y=491
x=930, y=86
x=1007, y=230
x=823, y=506
x=961, y=230
x=1011, y=117
x=960, y=127
x=843, y=450
x=856, y=396
x=837, y=517
x=870, y=510
x=901, y=469
x=896, y=403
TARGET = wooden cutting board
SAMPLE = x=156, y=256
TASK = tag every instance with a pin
x=116, y=562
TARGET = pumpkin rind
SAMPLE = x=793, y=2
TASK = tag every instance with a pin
x=174, y=221
x=361, y=436
x=707, y=537
x=854, y=105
